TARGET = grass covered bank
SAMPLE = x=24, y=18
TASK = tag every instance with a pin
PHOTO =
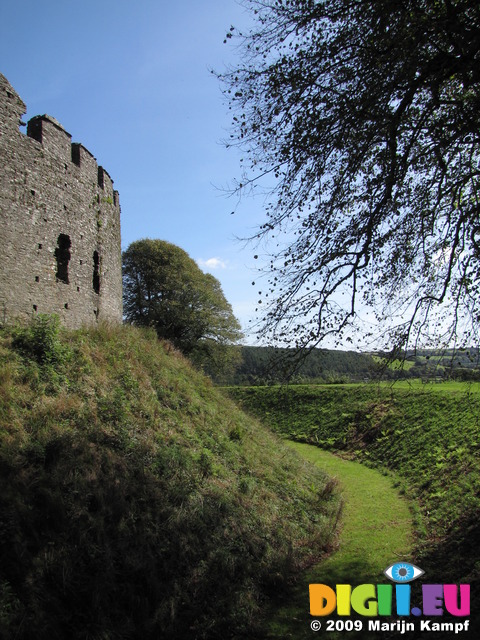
x=429, y=436
x=137, y=501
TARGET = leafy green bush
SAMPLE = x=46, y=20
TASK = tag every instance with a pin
x=40, y=340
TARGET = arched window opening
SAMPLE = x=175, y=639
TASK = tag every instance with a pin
x=62, y=255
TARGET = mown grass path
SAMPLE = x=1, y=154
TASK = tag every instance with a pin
x=376, y=531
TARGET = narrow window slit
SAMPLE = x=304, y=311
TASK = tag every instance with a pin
x=62, y=255
x=96, y=272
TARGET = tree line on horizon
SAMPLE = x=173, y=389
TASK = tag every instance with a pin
x=269, y=365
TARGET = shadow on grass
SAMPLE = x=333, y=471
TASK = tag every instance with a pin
x=289, y=616
x=455, y=560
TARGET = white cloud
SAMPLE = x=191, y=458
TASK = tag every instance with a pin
x=212, y=263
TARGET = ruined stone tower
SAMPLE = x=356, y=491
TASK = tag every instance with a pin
x=59, y=223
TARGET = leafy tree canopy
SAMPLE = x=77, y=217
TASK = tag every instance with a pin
x=366, y=115
x=164, y=288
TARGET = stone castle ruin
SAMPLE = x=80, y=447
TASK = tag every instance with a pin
x=60, y=223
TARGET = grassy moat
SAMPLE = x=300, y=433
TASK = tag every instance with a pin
x=139, y=501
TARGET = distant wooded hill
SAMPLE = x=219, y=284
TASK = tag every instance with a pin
x=266, y=365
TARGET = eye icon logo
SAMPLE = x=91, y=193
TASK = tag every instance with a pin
x=403, y=572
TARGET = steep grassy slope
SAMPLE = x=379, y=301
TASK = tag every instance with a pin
x=136, y=501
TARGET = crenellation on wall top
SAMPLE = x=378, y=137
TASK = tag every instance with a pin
x=82, y=150
x=51, y=134
x=86, y=162
x=105, y=181
x=12, y=102
x=51, y=120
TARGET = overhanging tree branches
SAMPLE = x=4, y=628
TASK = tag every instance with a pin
x=367, y=115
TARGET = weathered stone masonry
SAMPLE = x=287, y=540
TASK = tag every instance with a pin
x=60, y=223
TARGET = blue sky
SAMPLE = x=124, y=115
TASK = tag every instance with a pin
x=131, y=81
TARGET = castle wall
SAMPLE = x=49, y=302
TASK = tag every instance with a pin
x=60, y=246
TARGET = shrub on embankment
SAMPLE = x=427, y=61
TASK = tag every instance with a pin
x=428, y=435
x=136, y=500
